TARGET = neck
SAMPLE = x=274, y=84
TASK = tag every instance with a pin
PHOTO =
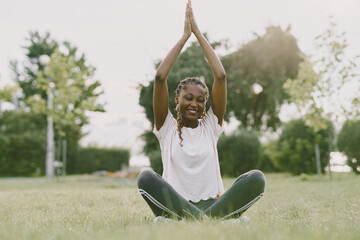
x=190, y=124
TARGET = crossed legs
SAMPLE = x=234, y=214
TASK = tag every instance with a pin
x=165, y=201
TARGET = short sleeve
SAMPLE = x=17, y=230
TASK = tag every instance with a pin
x=211, y=120
x=168, y=124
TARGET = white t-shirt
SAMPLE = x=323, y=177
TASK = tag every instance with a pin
x=192, y=170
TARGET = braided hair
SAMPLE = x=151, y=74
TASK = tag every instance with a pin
x=182, y=85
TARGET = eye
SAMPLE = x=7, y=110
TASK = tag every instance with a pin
x=201, y=100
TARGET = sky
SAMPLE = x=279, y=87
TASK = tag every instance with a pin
x=123, y=39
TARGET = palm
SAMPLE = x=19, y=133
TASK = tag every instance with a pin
x=194, y=27
x=187, y=25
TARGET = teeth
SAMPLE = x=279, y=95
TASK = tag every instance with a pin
x=192, y=111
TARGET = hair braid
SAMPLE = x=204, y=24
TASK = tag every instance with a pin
x=179, y=124
x=182, y=85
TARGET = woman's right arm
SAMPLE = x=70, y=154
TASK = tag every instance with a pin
x=218, y=93
x=161, y=95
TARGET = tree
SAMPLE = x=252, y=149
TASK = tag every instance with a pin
x=349, y=141
x=73, y=83
x=329, y=81
x=7, y=93
x=296, y=147
x=72, y=76
x=25, y=73
x=73, y=95
x=256, y=73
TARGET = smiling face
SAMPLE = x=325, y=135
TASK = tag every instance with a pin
x=191, y=104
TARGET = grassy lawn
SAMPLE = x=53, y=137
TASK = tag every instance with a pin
x=100, y=208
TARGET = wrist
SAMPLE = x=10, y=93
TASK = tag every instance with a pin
x=197, y=33
x=185, y=36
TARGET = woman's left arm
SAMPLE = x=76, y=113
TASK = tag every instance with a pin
x=218, y=93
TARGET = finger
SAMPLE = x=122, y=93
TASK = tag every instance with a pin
x=191, y=13
x=190, y=7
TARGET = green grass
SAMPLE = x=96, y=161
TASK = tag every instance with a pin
x=304, y=207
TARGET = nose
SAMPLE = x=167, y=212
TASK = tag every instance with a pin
x=193, y=102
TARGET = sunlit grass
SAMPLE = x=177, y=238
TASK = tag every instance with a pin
x=97, y=208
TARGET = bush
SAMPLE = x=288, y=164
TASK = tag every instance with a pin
x=22, y=144
x=349, y=142
x=238, y=153
x=296, y=147
x=269, y=158
x=92, y=159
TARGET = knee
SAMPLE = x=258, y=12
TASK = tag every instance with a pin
x=257, y=179
x=144, y=178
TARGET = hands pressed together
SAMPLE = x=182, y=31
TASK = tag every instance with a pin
x=218, y=93
x=190, y=23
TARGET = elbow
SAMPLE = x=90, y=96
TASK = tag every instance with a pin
x=160, y=76
x=221, y=76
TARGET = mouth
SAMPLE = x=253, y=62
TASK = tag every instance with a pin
x=192, y=111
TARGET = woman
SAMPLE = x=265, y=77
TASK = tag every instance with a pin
x=191, y=185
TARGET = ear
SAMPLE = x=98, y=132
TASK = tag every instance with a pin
x=176, y=100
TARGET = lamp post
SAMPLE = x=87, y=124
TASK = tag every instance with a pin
x=50, y=147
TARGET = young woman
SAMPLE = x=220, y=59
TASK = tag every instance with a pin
x=191, y=185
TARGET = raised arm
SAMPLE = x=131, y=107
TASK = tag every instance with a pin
x=161, y=95
x=218, y=93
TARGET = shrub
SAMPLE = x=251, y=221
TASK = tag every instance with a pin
x=296, y=147
x=91, y=159
x=238, y=153
x=269, y=158
x=349, y=142
x=22, y=144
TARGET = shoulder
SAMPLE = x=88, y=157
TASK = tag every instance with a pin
x=210, y=120
x=168, y=125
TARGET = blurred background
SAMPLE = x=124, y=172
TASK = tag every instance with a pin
x=76, y=83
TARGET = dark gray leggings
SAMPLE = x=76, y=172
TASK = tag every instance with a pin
x=165, y=201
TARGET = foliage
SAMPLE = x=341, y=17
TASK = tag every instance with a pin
x=306, y=80
x=7, y=93
x=92, y=159
x=268, y=61
x=329, y=81
x=295, y=147
x=269, y=158
x=69, y=77
x=22, y=148
x=69, y=74
x=349, y=142
x=238, y=153
x=73, y=95
x=25, y=73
